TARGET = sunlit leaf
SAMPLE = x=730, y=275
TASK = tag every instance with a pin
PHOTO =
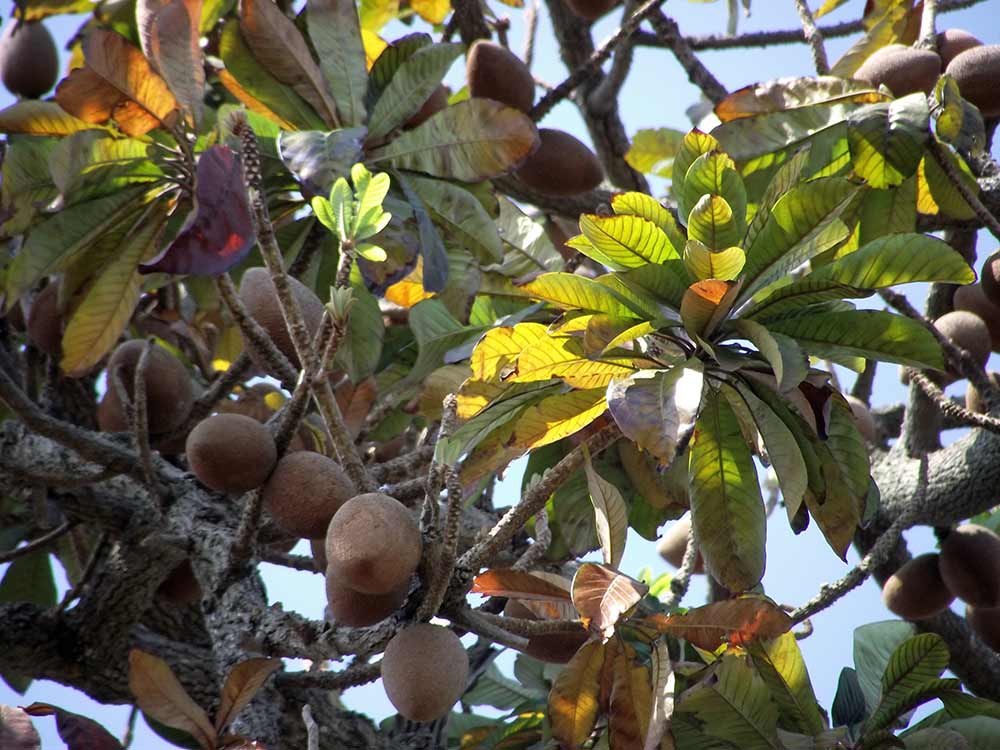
x=242, y=682
x=556, y=417
x=602, y=595
x=780, y=663
x=573, y=700
x=956, y=121
x=704, y=263
x=652, y=150
x=626, y=241
x=564, y=357
x=737, y=621
x=610, y=514
x=161, y=695
x=33, y=117
x=713, y=223
x=647, y=207
x=714, y=173
x=410, y=86
x=887, y=28
x=887, y=139
x=169, y=35
x=518, y=584
x=785, y=94
x=936, y=193
x=571, y=291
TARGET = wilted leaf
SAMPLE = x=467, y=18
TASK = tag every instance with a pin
x=78, y=732
x=737, y=621
x=16, y=730
x=884, y=29
x=222, y=232
x=611, y=515
x=602, y=595
x=573, y=701
x=243, y=681
x=169, y=35
x=518, y=584
x=161, y=695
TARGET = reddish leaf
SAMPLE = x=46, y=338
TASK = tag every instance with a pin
x=159, y=694
x=602, y=595
x=517, y=584
x=736, y=621
x=573, y=700
x=221, y=234
x=170, y=37
x=78, y=732
x=16, y=730
x=242, y=683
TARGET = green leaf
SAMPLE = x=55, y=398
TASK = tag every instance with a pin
x=462, y=215
x=361, y=346
x=752, y=137
x=874, y=644
x=647, y=207
x=610, y=515
x=493, y=688
x=369, y=193
x=783, y=180
x=526, y=245
x=694, y=144
x=572, y=292
x=956, y=121
x=336, y=35
x=92, y=164
x=712, y=222
x=27, y=184
x=477, y=139
x=28, y=579
x=436, y=332
x=885, y=28
x=727, y=511
x=714, y=173
x=799, y=296
x=913, y=667
x=622, y=242
x=783, y=669
x=887, y=139
x=704, y=263
x=849, y=702
x=936, y=193
x=788, y=362
x=872, y=334
x=391, y=59
x=653, y=149
x=667, y=282
x=410, y=87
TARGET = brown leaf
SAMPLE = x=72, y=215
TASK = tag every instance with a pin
x=243, y=682
x=159, y=694
x=16, y=730
x=573, y=700
x=517, y=584
x=170, y=38
x=735, y=621
x=355, y=403
x=602, y=595
x=117, y=82
x=631, y=703
x=277, y=44
x=78, y=732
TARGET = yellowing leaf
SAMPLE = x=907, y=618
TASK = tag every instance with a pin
x=573, y=700
x=518, y=584
x=563, y=357
x=251, y=102
x=169, y=35
x=624, y=242
x=374, y=46
x=780, y=663
x=736, y=621
x=556, y=417
x=653, y=150
x=705, y=263
x=569, y=291
x=701, y=304
x=500, y=346
x=432, y=11
x=410, y=290
x=631, y=707
x=610, y=515
x=159, y=693
x=32, y=117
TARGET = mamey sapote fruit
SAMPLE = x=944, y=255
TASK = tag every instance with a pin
x=437, y=101
x=180, y=586
x=986, y=623
x=257, y=292
x=169, y=394
x=863, y=418
x=346, y=606
x=231, y=452
x=967, y=331
x=591, y=10
x=905, y=70
x=972, y=298
x=494, y=72
x=29, y=61
x=989, y=278
x=304, y=491
x=970, y=565
x=373, y=544
x=953, y=42
x=554, y=648
x=562, y=165
x=44, y=324
x=973, y=400
x=916, y=591
x=424, y=671
x=673, y=544
x=977, y=71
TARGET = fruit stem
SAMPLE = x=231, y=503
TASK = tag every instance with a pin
x=928, y=20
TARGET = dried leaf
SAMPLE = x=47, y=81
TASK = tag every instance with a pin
x=244, y=680
x=736, y=621
x=159, y=694
x=518, y=584
x=573, y=700
x=603, y=595
x=78, y=732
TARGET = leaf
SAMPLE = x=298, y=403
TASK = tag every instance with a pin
x=432, y=250
x=738, y=621
x=784, y=94
x=116, y=82
x=526, y=245
x=518, y=584
x=714, y=173
x=474, y=140
x=705, y=304
x=937, y=194
x=705, y=263
x=647, y=207
x=16, y=730
x=32, y=117
x=318, y=159
x=885, y=28
x=887, y=140
x=602, y=596
x=914, y=664
x=169, y=34
x=410, y=86
x=361, y=347
x=460, y=214
x=570, y=291
x=158, y=693
x=874, y=644
x=788, y=362
x=622, y=242
x=99, y=320
x=713, y=223
x=872, y=334
x=664, y=685
x=556, y=417
x=727, y=511
x=849, y=702
x=564, y=357
x=436, y=332
x=652, y=150
x=656, y=409
x=956, y=121
x=573, y=700
x=495, y=689
x=751, y=138
x=667, y=283
x=610, y=514
x=92, y=163
x=780, y=664
x=242, y=683
x=336, y=35
x=891, y=211
x=630, y=706
x=78, y=732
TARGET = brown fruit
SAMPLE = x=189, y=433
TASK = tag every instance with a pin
x=970, y=565
x=29, y=60
x=304, y=492
x=110, y=415
x=169, y=394
x=45, y=322
x=591, y=10
x=261, y=299
x=905, y=70
x=494, y=72
x=989, y=278
x=553, y=648
x=424, y=671
x=231, y=453
x=916, y=591
x=953, y=42
x=373, y=543
x=972, y=298
x=345, y=606
x=562, y=165
x=863, y=418
x=181, y=587
x=673, y=544
x=434, y=104
x=977, y=73
x=973, y=401
x=967, y=331
x=986, y=623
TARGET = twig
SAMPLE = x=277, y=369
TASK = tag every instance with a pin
x=667, y=30
x=604, y=97
x=543, y=539
x=949, y=408
x=530, y=31
x=862, y=389
x=220, y=388
x=471, y=23
x=34, y=544
x=408, y=492
x=478, y=624
x=288, y=419
x=354, y=675
x=528, y=628
x=242, y=546
x=928, y=21
x=51, y=479
x=139, y=414
x=814, y=37
x=88, y=571
x=403, y=466
x=312, y=728
x=287, y=560
x=938, y=151
x=682, y=578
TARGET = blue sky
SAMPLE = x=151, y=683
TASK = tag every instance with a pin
x=656, y=94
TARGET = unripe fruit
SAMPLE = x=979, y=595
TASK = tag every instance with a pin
x=673, y=544
x=169, y=394
x=562, y=165
x=973, y=400
x=45, y=322
x=591, y=10
x=953, y=42
x=966, y=331
x=346, y=606
x=970, y=565
x=29, y=61
x=986, y=623
x=916, y=591
x=863, y=418
x=905, y=70
x=553, y=648
x=494, y=72
x=989, y=278
x=257, y=292
x=231, y=453
x=373, y=544
x=304, y=492
x=424, y=671
x=972, y=298
x=437, y=101
x=977, y=71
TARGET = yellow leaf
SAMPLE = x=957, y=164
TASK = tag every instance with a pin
x=556, y=417
x=432, y=11
x=374, y=46
x=251, y=102
x=563, y=357
x=474, y=396
x=374, y=14
x=410, y=290
x=573, y=700
x=33, y=117
x=705, y=263
x=500, y=346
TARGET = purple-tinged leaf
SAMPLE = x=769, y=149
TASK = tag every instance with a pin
x=78, y=732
